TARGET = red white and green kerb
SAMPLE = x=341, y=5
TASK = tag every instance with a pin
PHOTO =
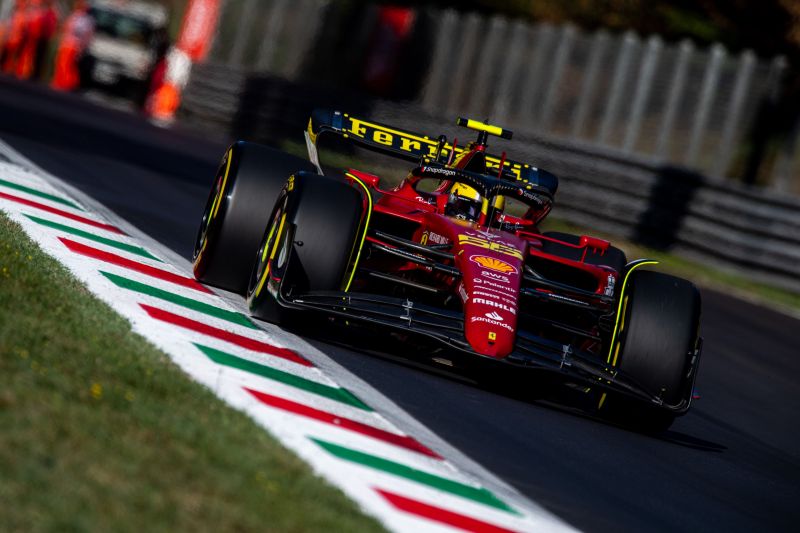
x=392, y=475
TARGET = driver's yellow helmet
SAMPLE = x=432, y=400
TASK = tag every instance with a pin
x=465, y=191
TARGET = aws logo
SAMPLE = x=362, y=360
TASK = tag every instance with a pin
x=492, y=263
x=495, y=276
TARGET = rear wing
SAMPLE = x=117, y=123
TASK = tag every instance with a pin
x=402, y=144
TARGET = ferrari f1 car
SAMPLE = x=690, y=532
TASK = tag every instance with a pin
x=443, y=256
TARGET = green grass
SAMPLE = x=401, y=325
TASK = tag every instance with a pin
x=698, y=273
x=101, y=432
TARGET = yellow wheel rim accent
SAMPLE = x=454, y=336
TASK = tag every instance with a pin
x=278, y=236
x=364, y=234
x=218, y=199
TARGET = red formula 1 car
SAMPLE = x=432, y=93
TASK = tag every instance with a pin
x=453, y=254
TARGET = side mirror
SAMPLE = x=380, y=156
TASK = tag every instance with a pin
x=594, y=242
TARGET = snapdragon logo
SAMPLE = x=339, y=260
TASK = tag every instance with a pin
x=441, y=171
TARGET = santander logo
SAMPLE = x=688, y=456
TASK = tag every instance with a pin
x=494, y=319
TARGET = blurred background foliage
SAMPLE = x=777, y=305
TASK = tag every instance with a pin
x=769, y=27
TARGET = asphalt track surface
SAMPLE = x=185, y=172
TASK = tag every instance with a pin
x=732, y=464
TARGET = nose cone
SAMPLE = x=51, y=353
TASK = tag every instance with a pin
x=491, y=285
x=491, y=333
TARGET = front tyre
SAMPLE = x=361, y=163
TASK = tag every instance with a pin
x=248, y=182
x=309, y=245
x=655, y=345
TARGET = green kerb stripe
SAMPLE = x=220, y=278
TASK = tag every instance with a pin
x=40, y=194
x=212, y=310
x=332, y=393
x=479, y=495
x=86, y=235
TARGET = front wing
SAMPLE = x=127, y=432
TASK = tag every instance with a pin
x=531, y=351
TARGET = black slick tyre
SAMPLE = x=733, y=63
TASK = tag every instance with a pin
x=655, y=344
x=309, y=244
x=246, y=185
x=612, y=257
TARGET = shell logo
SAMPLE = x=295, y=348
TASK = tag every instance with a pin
x=492, y=263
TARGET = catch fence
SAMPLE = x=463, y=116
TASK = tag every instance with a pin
x=672, y=103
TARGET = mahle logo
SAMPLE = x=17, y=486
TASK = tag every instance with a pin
x=493, y=263
x=492, y=303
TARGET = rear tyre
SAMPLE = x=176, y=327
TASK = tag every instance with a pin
x=657, y=338
x=246, y=186
x=309, y=245
x=613, y=257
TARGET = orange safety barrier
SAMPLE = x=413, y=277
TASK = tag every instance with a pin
x=15, y=37
x=78, y=30
x=164, y=101
x=196, y=34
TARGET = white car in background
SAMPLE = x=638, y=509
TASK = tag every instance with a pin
x=130, y=38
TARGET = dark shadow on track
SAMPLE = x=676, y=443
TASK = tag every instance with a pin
x=513, y=383
x=677, y=437
x=668, y=205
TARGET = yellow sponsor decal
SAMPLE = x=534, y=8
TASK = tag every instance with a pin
x=408, y=142
x=493, y=163
x=399, y=140
x=311, y=133
x=489, y=245
x=492, y=263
